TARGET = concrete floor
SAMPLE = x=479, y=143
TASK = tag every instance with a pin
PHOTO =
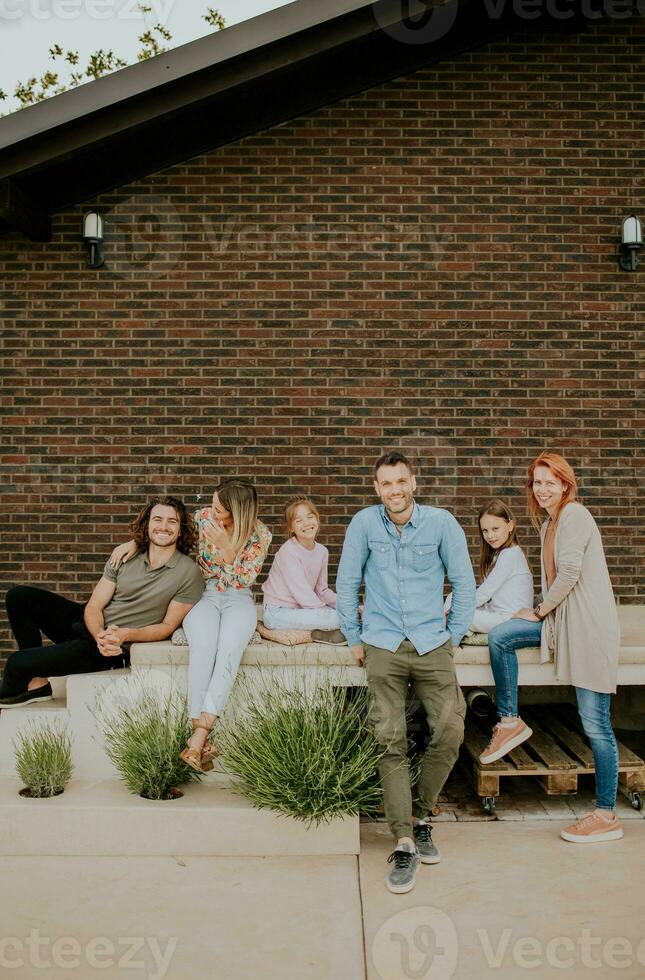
x=510, y=899
x=220, y=918
x=503, y=892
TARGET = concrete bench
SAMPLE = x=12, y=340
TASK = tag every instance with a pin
x=472, y=662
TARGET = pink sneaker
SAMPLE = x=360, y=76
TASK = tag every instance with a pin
x=505, y=739
x=591, y=828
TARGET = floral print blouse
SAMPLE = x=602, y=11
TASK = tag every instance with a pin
x=242, y=573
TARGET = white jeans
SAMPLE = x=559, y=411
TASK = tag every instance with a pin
x=284, y=618
x=483, y=621
x=218, y=629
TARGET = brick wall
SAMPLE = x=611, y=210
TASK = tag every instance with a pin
x=430, y=265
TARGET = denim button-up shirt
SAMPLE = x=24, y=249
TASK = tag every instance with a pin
x=404, y=578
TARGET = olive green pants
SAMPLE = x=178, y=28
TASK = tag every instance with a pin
x=435, y=683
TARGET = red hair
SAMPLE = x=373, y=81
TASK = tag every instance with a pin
x=560, y=468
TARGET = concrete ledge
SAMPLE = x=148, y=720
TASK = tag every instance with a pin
x=103, y=818
x=309, y=655
x=264, y=654
x=472, y=662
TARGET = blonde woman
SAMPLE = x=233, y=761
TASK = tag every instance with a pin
x=233, y=544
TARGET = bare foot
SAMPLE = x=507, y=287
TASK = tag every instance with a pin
x=286, y=637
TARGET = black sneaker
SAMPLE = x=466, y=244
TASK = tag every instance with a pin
x=406, y=862
x=43, y=693
x=333, y=637
x=423, y=839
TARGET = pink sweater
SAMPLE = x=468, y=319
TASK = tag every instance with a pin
x=298, y=578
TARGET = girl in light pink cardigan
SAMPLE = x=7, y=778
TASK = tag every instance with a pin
x=299, y=606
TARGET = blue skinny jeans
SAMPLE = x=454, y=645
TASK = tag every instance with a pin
x=594, y=708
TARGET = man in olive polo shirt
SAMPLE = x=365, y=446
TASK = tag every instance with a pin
x=143, y=600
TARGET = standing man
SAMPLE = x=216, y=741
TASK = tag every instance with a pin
x=403, y=550
x=145, y=600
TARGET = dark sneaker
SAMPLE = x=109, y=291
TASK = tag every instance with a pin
x=43, y=693
x=406, y=862
x=334, y=637
x=423, y=839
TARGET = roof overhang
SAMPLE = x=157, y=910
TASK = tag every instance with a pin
x=228, y=85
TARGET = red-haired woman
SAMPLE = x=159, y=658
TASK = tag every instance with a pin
x=577, y=623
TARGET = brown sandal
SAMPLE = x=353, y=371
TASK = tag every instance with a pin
x=209, y=752
x=194, y=757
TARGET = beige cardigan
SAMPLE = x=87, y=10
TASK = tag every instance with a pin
x=581, y=631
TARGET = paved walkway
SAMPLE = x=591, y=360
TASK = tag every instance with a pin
x=509, y=900
x=219, y=918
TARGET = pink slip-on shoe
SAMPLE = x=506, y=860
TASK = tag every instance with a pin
x=593, y=828
x=505, y=739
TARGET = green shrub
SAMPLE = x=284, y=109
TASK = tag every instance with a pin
x=308, y=754
x=143, y=739
x=44, y=758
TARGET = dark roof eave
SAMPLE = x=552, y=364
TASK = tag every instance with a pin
x=229, y=98
x=172, y=66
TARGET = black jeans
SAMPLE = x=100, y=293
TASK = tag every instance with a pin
x=34, y=612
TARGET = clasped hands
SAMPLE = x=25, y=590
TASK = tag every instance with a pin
x=110, y=640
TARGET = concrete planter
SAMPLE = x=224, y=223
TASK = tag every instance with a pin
x=104, y=819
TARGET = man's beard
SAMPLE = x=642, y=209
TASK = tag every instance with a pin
x=403, y=506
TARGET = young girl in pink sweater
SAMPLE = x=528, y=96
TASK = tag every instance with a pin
x=298, y=604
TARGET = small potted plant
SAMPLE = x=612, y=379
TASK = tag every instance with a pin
x=43, y=759
x=143, y=738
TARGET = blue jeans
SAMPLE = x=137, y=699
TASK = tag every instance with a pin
x=595, y=714
x=503, y=641
x=594, y=708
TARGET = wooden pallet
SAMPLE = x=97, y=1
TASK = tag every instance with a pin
x=557, y=753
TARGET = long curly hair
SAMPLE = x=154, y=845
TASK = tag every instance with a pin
x=187, y=536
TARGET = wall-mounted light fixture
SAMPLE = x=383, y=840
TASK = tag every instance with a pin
x=93, y=238
x=631, y=240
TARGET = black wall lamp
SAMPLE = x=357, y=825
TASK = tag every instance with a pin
x=631, y=239
x=93, y=238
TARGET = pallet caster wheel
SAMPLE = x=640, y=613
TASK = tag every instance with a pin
x=636, y=801
x=488, y=803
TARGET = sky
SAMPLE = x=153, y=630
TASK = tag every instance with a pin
x=28, y=28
